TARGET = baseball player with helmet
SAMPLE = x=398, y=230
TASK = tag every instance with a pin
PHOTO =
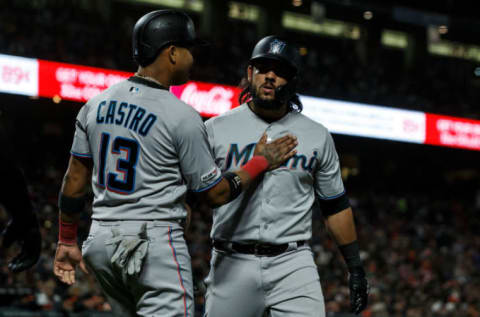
x=143, y=149
x=23, y=226
x=261, y=262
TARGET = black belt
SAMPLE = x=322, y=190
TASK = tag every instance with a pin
x=260, y=249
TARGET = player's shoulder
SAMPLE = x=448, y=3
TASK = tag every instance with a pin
x=228, y=116
x=177, y=111
x=308, y=123
x=180, y=105
x=104, y=95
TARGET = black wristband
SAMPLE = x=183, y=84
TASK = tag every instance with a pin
x=70, y=205
x=235, y=184
x=351, y=254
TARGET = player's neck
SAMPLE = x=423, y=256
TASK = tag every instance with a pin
x=268, y=115
x=149, y=73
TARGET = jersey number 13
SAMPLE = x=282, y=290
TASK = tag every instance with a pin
x=123, y=180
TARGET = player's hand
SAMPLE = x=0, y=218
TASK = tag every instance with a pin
x=199, y=288
x=359, y=290
x=277, y=151
x=67, y=257
x=30, y=241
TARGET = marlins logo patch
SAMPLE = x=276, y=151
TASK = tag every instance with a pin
x=276, y=47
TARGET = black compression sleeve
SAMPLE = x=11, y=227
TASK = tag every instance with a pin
x=332, y=206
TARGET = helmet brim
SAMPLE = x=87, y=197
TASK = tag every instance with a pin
x=275, y=57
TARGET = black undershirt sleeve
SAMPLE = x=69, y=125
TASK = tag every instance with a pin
x=332, y=206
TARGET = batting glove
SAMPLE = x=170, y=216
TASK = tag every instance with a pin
x=129, y=251
x=359, y=290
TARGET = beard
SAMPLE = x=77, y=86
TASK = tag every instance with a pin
x=263, y=103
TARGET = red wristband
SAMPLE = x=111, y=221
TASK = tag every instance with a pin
x=255, y=166
x=67, y=232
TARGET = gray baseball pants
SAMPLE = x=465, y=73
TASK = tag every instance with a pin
x=164, y=285
x=244, y=285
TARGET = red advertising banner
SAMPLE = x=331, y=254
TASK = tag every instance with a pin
x=74, y=82
x=32, y=77
x=208, y=99
x=452, y=132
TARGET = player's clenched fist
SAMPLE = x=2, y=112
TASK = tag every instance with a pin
x=277, y=151
x=359, y=290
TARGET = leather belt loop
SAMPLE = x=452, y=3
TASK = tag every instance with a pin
x=292, y=246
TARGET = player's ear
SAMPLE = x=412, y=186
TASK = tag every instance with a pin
x=172, y=53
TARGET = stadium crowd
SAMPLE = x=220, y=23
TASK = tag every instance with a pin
x=421, y=248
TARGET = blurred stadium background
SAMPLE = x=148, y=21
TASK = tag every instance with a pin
x=411, y=167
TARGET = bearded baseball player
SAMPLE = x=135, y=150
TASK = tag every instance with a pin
x=143, y=149
x=261, y=262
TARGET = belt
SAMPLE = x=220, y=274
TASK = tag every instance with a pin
x=259, y=249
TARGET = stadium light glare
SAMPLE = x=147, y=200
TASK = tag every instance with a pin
x=477, y=71
x=443, y=29
x=57, y=99
x=297, y=3
x=368, y=15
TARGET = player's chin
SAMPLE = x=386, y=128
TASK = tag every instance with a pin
x=269, y=97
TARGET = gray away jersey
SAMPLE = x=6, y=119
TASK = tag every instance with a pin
x=147, y=148
x=279, y=209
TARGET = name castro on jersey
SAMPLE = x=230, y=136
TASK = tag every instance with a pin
x=129, y=116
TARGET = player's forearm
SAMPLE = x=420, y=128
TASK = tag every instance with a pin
x=73, y=190
x=222, y=192
x=71, y=200
x=234, y=183
x=342, y=226
x=75, y=180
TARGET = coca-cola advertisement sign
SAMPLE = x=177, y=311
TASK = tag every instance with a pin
x=208, y=99
x=75, y=82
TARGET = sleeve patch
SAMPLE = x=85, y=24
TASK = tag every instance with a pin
x=210, y=175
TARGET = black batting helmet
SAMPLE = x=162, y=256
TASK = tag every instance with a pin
x=274, y=47
x=158, y=29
